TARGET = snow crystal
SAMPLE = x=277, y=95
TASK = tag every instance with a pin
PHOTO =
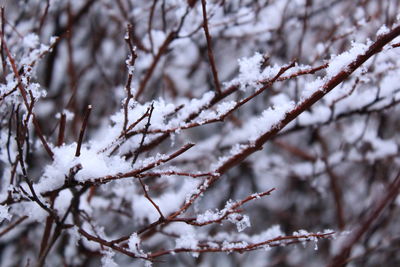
x=221, y=109
x=207, y=216
x=250, y=73
x=97, y=165
x=189, y=107
x=35, y=89
x=130, y=67
x=187, y=241
x=338, y=63
x=236, y=245
x=134, y=245
x=241, y=221
x=93, y=165
x=249, y=69
x=255, y=127
x=195, y=104
x=53, y=40
x=382, y=30
x=328, y=231
x=301, y=232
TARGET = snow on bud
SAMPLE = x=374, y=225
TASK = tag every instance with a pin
x=241, y=221
x=134, y=245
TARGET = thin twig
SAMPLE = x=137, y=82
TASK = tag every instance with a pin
x=278, y=241
x=377, y=209
x=162, y=50
x=233, y=208
x=131, y=174
x=61, y=132
x=146, y=194
x=131, y=64
x=209, y=48
x=3, y=58
x=150, y=25
x=146, y=128
x=13, y=225
x=82, y=131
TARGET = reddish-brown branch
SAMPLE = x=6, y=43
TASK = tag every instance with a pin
x=3, y=58
x=25, y=98
x=106, y=179
x=71, y=67
x=39, y=133
x=307, y=103
x=33, y=197
x=303, y=72
x=334, y=180
x=278, y=241
x=133, y=174
x=146, y=128
x=44, y=16
x=347, y=94
x=9, y=92
x=46, y=233
x=233, y=208
x=13, y=225
x=216, y=99
x=82, y=131
x=209, y=48
x=267, y=84
x=61, y=132
x=363, y=111
x=124, y=134
x=169, y=173
x=337, y=194
x=131, y=64
x=295, y=150
x=291, y=115
x=150, y=25
x=146, y=194
x=109, y=244
x=162, y=50
x=392, y=192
